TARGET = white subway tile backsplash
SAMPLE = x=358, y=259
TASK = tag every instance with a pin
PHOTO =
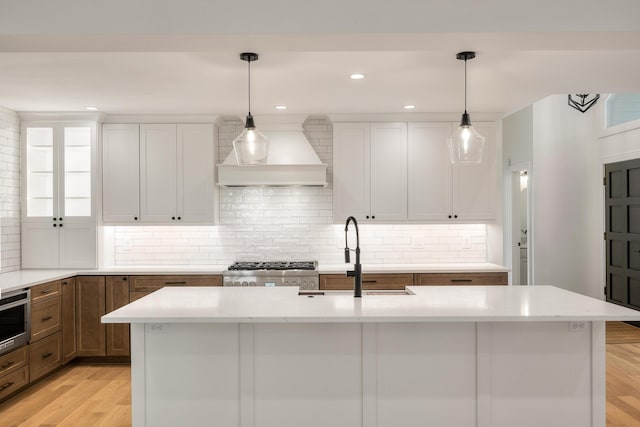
x=291, y=224
x=9, y=190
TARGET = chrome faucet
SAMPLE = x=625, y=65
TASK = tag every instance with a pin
x=356, y=273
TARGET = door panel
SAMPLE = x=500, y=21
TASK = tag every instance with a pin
x=158, y=172
x=622, y=211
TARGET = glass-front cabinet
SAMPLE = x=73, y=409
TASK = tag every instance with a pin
x=59, y=224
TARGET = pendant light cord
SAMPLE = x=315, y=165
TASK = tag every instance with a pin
x=249, y=78
x=465, y=85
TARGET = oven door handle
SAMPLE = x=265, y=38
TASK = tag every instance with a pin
x=14, y=304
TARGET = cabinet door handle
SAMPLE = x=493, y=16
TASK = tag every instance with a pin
x=179, y=218
x=373, y=217
x=173, y=218
x=55, y=225
x=55, y=219
x=60, y=225
x=135, y=218
x=449, y=216
x=47, y=355
x=461, y=280
x=6, y=365
x=455, y=216
x=6, y=385
x=44, y=319
x=175, y=283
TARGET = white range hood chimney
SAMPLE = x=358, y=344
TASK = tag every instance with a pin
x=292, y=161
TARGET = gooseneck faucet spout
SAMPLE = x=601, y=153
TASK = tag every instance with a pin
x=356, y=273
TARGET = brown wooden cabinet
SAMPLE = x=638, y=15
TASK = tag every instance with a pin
x=117, y=295
x=45, y=291
x=97, y=296
x=69, y=320
x=45, y=355
x=153, y=283
x=460, y=279
x=393, y=281
x=46, y=317
x=90, y=307
x=14, y=371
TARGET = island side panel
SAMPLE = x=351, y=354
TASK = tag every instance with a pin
x=192, y=374
x=308, y=375
x=541, y=374
x=426, y=373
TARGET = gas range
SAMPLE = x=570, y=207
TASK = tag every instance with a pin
x=275, y=273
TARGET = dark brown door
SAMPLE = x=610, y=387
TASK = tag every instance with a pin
x=117, y=295
x=622, y=212
x=69, y=339
x=90, y=307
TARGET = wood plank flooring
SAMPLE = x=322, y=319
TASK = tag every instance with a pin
x=100, y=395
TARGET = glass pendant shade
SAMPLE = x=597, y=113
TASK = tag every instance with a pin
x=466, y=145
x=251, y=146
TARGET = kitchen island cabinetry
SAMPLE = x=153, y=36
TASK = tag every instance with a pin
x=441, y=356
x=370, y=171
x=58, y=210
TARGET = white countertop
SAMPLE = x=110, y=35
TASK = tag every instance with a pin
x=470, y=267
x=26, y=278
x=427, y=304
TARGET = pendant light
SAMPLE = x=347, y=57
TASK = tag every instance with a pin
x=251, y=146
x=466, y=145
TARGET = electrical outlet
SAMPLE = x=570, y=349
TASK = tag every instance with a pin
x=417, y=242
x=156, y=328
x=466, y=242
x=577, y=326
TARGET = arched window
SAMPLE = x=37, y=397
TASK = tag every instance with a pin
x=622, y=108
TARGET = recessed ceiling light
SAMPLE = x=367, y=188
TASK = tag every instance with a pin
x=409, y=107
x=357, y=76
x=281, y=107
x=91, y=108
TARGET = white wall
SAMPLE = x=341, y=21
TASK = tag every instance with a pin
x=9, y=190
x=291, y=223
x=567, y=184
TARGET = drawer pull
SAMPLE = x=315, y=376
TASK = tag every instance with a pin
x=47, y=355
x=6, y=365
x=46, y=291
x=44, y=319
x=369, y=281
x=461, y=280
x=175, y=283
x=6, y=385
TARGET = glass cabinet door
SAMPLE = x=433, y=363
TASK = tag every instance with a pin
x=40, y=172
x=77, y=171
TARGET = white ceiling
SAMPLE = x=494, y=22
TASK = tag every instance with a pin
x=125, y=66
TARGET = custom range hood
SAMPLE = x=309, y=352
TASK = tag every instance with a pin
x=291, y=162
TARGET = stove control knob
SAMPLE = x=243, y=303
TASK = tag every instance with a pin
x=303, y=285
x=236, y=283
x=252, y=283
x=245, y=284
x=287, y=283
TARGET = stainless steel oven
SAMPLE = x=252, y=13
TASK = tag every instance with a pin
x=15, y=313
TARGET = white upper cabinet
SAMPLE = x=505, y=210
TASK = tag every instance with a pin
x=402, y=172
x=388, y=171
x=429, y=172
x=475, y=186
x=370, y=171
x=120, y=172
x=158, y=173
x=58, y=206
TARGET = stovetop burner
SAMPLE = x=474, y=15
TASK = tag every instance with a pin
x=273, y=265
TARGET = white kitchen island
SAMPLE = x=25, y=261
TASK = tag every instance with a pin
x=444, y=356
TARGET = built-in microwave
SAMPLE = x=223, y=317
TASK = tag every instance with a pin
x=14, y=320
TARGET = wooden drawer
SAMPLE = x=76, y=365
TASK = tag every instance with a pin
x=460, y=279
x=46, y=291
x=337, y=282
x=46, y=318
x=153, y=283
x=13, y=381
x=13, y=361
x=45, y=355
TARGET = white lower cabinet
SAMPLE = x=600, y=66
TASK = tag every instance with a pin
x=59, y=245
x=158, y=173
x=370, y=179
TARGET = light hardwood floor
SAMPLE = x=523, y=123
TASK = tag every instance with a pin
x=100, y=395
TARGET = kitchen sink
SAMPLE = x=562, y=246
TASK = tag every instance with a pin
x=364, y=293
